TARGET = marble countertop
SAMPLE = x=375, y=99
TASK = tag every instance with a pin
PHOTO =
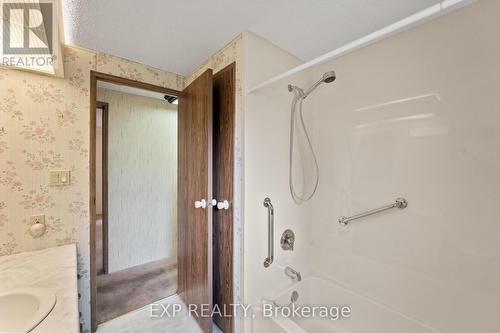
x=53, y=269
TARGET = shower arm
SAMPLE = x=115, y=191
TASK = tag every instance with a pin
x=310, y=90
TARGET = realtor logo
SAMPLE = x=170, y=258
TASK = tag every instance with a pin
x=27, y=28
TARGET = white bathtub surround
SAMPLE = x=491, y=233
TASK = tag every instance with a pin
x=267, y=119
x=413, y=116
x=53, y=270
x=366, y=315
x=141, y=321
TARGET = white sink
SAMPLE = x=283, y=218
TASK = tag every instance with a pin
x=21, y=310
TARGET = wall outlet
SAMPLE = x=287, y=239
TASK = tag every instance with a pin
x=37, y=219
x=38, y=227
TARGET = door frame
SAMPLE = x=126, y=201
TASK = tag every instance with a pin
x=104, y=175
x=94, y=77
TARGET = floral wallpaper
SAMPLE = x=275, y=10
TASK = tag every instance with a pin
x=224, y=57
x=44, y=125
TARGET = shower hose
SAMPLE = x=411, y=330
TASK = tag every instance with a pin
x=298, y=98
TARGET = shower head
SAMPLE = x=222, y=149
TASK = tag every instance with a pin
x=328, y=77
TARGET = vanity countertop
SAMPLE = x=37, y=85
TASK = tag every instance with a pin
x=54, y=269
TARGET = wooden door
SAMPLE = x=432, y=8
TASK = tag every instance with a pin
x=223, y=145
x=194, y=184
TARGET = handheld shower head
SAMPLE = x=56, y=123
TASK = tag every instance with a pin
x=298, y=98
x=329, y=77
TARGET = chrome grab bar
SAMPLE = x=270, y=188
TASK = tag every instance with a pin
x=400, y=203
x=270, y=240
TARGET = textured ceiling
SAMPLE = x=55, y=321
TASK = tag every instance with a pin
x=178, y=35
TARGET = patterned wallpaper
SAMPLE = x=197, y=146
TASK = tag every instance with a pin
x=44, y=125
x=142, y=179
x=228, y=54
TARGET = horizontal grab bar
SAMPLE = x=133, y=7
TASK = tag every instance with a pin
x=400, y=203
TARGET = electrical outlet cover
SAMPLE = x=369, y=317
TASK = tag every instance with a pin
x=38, y=219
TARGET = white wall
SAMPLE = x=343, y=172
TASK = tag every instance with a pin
x=267, y=116
x=142, y=179
x=416, y=116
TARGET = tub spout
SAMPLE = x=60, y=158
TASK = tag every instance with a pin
x=291, y=273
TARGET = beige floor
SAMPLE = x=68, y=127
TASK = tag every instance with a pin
x=140, y=321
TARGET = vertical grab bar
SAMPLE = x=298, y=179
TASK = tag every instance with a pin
x=270, y=237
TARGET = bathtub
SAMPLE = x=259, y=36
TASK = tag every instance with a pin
x=366, y=315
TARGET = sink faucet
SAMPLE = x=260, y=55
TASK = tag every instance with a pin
x=290, y=272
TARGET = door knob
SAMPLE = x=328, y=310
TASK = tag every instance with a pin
x=200, y=204
x=223, y=205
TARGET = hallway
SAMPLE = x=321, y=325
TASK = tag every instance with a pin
x=130, y=289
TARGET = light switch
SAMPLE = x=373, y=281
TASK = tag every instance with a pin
x=59, y=178
x=64, y=177
x=54, y=178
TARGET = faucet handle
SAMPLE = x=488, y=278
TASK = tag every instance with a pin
x=288, y=240
x=293, y=274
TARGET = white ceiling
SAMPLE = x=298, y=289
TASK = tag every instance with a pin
x=179, y=35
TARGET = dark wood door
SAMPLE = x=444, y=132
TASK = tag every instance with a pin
x=194, y=184
x=223, y=131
